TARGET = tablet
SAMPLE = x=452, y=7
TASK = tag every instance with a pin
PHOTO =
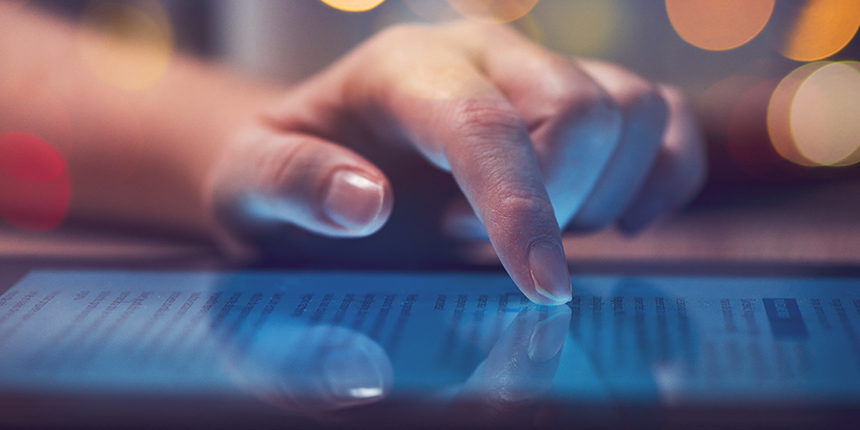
x=200, y=348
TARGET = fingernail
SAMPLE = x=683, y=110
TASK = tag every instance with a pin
x=352, y=375
x=549, y=272
x=353, y=200
x=548, y=337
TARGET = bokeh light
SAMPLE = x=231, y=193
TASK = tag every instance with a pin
x=34, y=183
x=809, y=30
x=825, y=115
x=530, y=27
x=582, y=27
x=719, y=25
x=493, y=11
x=718, y=102
x=135, y=46
x=779, y=114
x=353, y=5
x=29, y=158
x=432, y=10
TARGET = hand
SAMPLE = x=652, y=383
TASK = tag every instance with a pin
x=315, y=370
x=534, y=141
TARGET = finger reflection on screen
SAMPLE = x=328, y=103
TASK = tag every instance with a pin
x=300, y=367
x=311, y=369
x=518, y=369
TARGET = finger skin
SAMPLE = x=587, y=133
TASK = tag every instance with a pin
x=573, y=121
x=645, y=115
x=461, y=122
x=492, y=159
x=677, y=175
x=266, y=178
x=679, y=171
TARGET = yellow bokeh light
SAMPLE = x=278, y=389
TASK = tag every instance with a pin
x=353, y=5
x=779, y=114
x=810, y=30
x=133, y=48
x=719, y=25
x=825, y=115
x=530, y=27
x=432, y=10
x=582, y=27
x=493, y=11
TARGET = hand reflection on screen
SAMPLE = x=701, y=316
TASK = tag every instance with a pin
x=310, y=370
x=315, y=367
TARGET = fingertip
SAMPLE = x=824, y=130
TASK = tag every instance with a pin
x=267, y=179
x=549, y=273
x=358, y=202
x=356, y=376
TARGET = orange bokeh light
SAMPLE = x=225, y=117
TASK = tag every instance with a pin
x=719, y=25
x=432, y=10
x=493, y=11
x=353, y=5
x=34, y=183
x=810, y=30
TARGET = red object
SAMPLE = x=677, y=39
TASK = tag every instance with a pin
x=34, y=183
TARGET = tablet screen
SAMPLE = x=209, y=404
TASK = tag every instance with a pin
x=307, y=339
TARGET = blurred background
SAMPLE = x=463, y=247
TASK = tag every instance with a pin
x=774, y=83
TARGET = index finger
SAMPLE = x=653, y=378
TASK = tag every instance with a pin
x=461, y=122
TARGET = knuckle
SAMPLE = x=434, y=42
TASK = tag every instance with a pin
x=277, y=166
x=482, y=117
x=589, y=104
x=643, y=98
x=576, y=92
x=517, y=205
x=283, y=161
x=579, y=99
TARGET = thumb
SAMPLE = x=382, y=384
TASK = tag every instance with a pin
x=267, y=178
